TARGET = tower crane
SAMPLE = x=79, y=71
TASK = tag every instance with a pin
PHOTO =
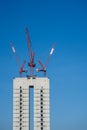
x=43, y=67
x=21, y=67
x=31, y=63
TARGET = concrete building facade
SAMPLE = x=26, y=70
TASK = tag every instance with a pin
x=21, y=103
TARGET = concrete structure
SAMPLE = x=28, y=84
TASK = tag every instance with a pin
x=21, y=116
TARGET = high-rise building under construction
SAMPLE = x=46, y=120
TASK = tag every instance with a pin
x=21, y=103
x=21, y=94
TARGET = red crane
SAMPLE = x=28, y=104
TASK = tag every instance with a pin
x=21, y=67
x=31, y=64
x=43, y=67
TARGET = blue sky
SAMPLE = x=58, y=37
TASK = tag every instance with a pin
x=49, y=21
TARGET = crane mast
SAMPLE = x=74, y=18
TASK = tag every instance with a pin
x=21, y=67
x=43, y=67
x=31, y=63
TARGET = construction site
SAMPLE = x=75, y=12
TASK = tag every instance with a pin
x=21, y=92
x=43, y=65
